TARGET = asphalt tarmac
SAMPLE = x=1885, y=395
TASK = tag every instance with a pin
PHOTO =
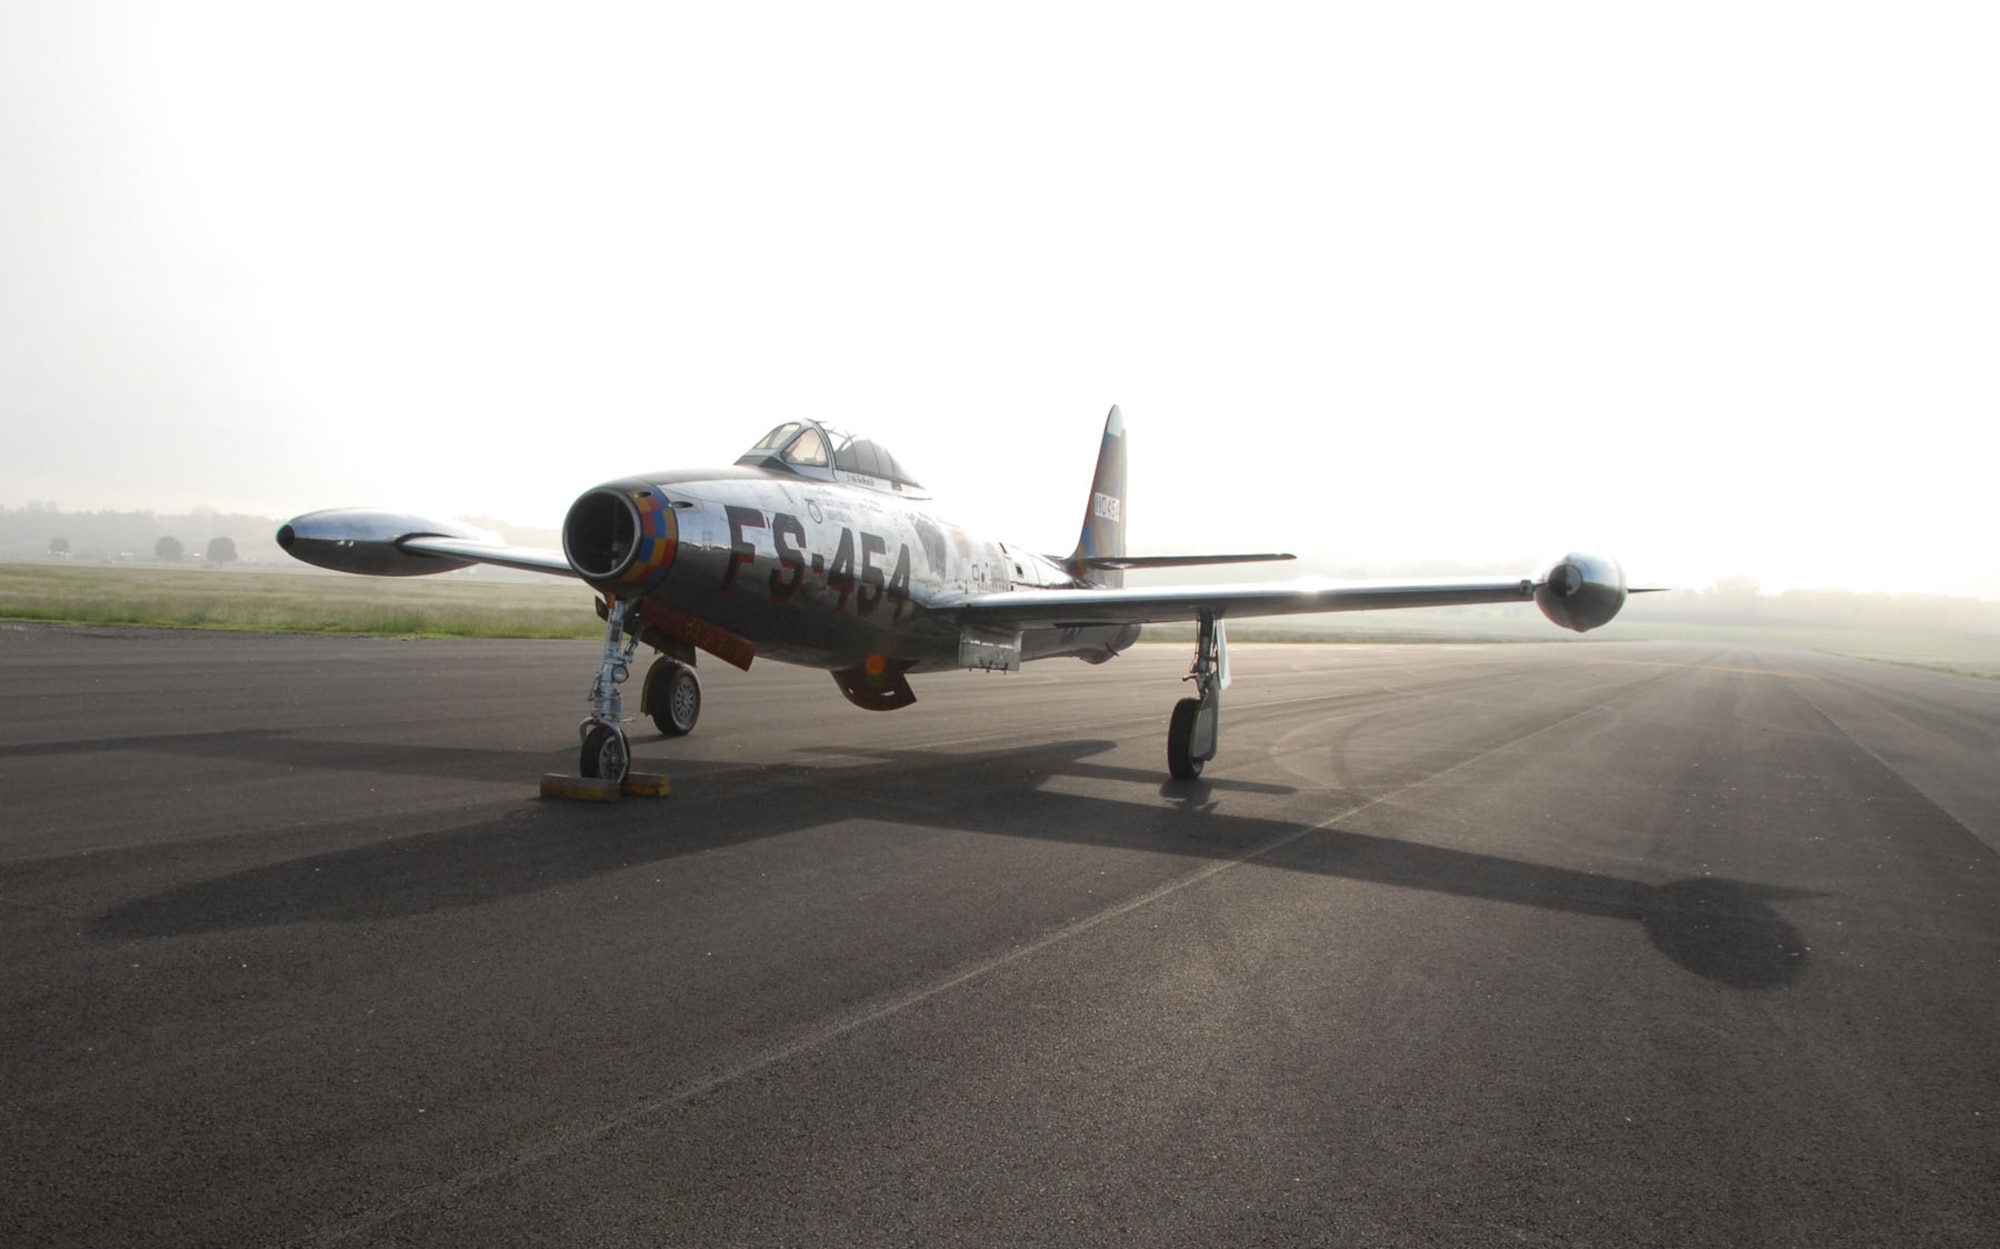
x=1606, y=943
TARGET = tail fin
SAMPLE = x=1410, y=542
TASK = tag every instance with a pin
x=1103, y=536
x=1100, y=548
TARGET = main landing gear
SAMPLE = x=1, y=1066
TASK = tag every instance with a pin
x=672, y=696
x=1196, y=723
x=606, y=754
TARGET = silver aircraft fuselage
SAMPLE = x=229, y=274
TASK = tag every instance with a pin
x=822, y=573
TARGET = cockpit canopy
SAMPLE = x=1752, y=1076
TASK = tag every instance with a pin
x=811, y=449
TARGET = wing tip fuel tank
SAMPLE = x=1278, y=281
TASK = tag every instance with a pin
x=1581, y=592
x=363, y=540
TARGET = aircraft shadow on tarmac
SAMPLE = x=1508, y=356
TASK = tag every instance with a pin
x=285, y=750
x=1723, y=930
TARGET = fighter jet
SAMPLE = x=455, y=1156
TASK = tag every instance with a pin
x=819, y=548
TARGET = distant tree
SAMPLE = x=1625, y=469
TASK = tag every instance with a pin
x=169, y=549
x=221, y=551
x=1738, y=591
x=1739, y=597
x=59, y=546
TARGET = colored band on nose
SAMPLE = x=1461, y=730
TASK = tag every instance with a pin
x=659, y=538
x=621, y=538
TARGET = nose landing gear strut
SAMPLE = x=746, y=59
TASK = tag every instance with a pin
x=606, y=754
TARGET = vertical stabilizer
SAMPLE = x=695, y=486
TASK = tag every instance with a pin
x=1103, y=535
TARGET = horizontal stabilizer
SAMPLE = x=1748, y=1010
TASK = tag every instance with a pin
x=1130, y=562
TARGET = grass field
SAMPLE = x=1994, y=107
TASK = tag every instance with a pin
x=483, y=605
x=451, y=605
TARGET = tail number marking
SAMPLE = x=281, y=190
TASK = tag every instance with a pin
x=1104, y=505
x=741, y=550
x=867, y=589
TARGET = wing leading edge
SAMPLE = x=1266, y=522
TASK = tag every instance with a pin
x=523, y=558
x=1064, y=608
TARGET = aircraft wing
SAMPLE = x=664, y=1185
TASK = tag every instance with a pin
x=1065, y=608
x=1578, y=592
x=524, y=558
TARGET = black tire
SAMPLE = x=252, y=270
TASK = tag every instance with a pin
x=606, y=756
x=673, y=698
x=1180, y=740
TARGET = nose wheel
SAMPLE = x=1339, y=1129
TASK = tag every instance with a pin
x=606, y=754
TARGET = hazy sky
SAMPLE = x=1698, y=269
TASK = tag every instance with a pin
x=1713, y=288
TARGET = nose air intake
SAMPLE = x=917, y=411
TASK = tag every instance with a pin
x=620, y=538
x=601, y=534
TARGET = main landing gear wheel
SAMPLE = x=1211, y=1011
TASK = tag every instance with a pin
x=605, y=754
x=1181, y=760
x=673, y=697
x=1197, y=722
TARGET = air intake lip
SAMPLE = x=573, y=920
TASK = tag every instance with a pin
x=621, y=537
x=601, y=533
